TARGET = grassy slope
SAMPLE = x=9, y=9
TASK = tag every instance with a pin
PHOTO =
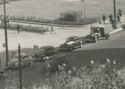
x=51, y=9
x=74, y=58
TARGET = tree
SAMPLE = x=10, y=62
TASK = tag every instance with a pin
x=70, y=16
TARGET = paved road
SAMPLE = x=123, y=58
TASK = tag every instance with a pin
x=117, y=40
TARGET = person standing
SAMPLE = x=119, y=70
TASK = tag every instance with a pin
x=112, y=21
x=118, y=17
x=120, y=12
x=111, y=18
x=2, y=20
x=103, y=18
x=18, y=28
x=7, y=20
x=52, y=30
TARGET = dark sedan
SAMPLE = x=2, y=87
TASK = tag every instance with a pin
x=74, y=42
x=44, y=53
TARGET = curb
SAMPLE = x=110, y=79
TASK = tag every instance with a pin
x=116, y=30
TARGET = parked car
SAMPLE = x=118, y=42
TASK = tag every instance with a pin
x=99, y=32
x=48, y=50
x=26, y=60
x=44, y=52
x=56, y=60
x=74, y=42
x=72, y=38
x=89, y=39
x=63, y=48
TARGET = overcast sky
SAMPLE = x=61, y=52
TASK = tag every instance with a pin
x=71, y=0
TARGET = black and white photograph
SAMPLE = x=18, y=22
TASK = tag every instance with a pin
x=62, y=44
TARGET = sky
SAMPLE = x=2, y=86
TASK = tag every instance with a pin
x=71, y=0
x=51, y=9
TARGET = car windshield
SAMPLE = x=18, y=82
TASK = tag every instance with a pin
x=47, y=48
x=25, y=56
x=22, y=56
x=72, y=38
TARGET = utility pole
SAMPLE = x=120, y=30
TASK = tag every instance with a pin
x=6, y=37
x=20, y=67
x=84, y=8
x=114, y=8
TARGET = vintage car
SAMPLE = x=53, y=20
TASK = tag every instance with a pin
x=26, y=60
x=63, y=48
x=74, y=42
x=72, y=38
x=48, y=50
x=56, y=61
x=89, y=39
x=99, y=32
x=44, y=53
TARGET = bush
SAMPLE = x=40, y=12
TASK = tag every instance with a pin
x=30, y=19
x=70, y=16
x=82, y=21
x=67, y=18
x=74, y=18
x=94, y=76
x=28, y=28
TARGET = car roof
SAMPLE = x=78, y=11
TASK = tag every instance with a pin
x=46, y=47
x=13, y=60
x=22, y=54
x=72, y=37
x=58, y=58
x=97, y=26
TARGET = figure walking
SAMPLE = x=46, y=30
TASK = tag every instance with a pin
x=52, y=30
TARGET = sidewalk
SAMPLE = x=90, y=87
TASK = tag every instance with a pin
x=109, y=28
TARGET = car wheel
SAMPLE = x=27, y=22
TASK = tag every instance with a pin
x=71, y=48
x=107, y=36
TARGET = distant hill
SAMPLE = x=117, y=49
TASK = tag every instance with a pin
x=51, y=9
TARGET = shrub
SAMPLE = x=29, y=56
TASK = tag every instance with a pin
x=28, y=28
x=30, y=19
x=70, y=16
x=94, y=76
x=67, y=18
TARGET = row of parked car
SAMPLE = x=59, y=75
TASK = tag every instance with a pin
x=49, y=52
